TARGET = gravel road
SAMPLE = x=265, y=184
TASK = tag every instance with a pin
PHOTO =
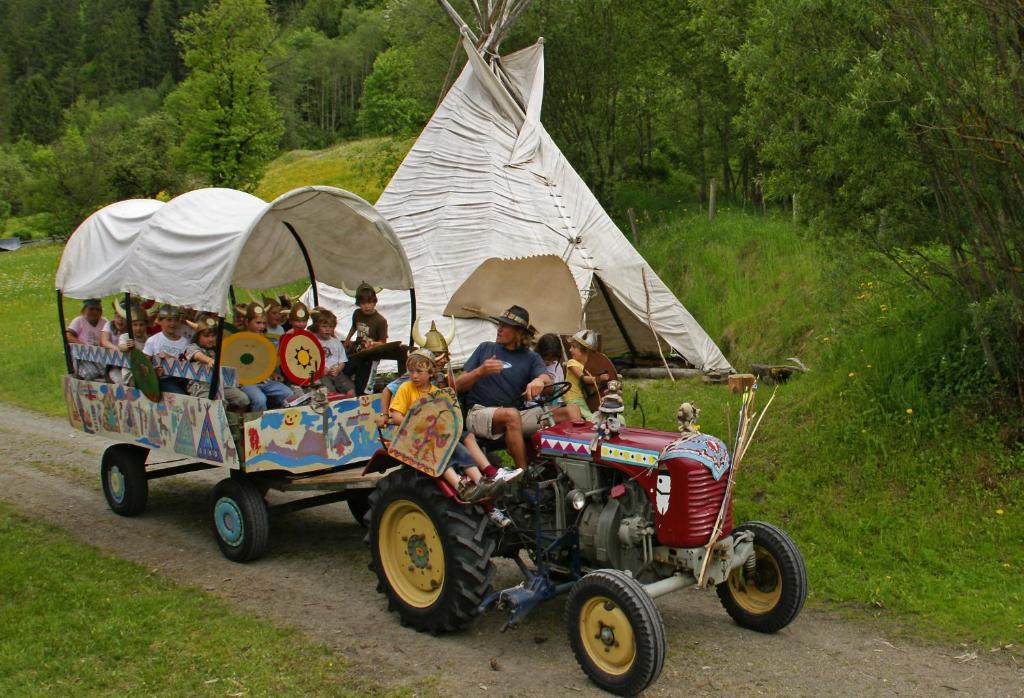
x=314, y=578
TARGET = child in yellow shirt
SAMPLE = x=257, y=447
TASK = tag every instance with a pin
x=464, y=463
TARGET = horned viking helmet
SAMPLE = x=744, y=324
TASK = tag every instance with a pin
x=434, y=341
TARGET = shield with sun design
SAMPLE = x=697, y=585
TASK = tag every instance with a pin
x=302, y=357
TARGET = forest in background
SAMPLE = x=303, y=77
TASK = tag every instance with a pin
x=894, y=127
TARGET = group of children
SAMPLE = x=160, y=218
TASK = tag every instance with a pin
x=180, y=334
x=470, y=473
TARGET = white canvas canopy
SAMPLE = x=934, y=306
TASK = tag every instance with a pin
x=485, y=180
x=96, y=250
x=190, y=251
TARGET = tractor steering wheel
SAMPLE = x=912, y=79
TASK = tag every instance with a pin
x=552, y=392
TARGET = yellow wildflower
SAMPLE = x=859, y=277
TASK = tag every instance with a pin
x=910, y=410
x=1000, y=512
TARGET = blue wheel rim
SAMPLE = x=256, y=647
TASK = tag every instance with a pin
x=115, y=483
x=228, y=518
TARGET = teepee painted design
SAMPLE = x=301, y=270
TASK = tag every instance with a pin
x=110, y=411
x=208, y=447
x=183, y=440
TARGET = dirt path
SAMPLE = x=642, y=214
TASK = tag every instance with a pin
x=314, y=578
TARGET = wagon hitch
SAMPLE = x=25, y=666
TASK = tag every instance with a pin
x=521, y=599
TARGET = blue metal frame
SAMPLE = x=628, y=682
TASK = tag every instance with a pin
x=538, y=585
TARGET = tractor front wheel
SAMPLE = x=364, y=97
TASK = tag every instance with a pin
x=432, y=557
x=615, y=631
x=767, y=595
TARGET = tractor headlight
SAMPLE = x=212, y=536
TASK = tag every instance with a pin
x=577, y=499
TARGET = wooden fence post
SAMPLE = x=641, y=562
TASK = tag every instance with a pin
x=632, y=225
x=711, y=199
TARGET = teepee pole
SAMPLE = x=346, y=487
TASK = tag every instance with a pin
x=459, y=22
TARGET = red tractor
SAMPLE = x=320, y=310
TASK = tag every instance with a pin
x=613, y=522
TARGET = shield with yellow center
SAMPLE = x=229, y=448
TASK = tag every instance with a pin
x=302, y=356
x=251, y=354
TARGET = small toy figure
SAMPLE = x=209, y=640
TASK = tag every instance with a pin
x=608, y=419
x=687, y=416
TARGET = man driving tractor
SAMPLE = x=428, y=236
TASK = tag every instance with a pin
x=495, y=379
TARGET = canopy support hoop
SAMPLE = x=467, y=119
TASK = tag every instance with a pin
x=309, y=264
x=64, y=332
x=412, y=314
x=215, y=374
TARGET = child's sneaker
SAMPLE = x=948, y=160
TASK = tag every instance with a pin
x=506, y=475
x=499, y=517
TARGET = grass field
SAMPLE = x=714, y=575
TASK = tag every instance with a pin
x=886, y=462
x=79, y=623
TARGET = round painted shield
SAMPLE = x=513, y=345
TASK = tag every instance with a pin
x=144, y=375
x=251, y=354
x=302, y=356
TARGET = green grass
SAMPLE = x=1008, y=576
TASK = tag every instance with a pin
x=31, y=338
x=79, y=623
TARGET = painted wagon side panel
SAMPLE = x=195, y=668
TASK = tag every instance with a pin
x=293, y=439
x=193, y=427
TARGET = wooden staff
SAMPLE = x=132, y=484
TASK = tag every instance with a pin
x=744, y=434
x=657, y=341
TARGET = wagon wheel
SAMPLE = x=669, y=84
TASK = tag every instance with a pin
x=123, y=474
x=768, y=597
x=240, y=520
x=615, y=631
x=432, y=558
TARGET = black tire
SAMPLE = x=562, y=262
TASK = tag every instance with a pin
x=359, y=504
x=123, y=474
x=239, y=519
x=411, y=526
x=623, y=661
x=772, y=598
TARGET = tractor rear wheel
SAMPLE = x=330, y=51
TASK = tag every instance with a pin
x=768, y=597
x=615, y=631
x=432, y=557
x=359, y=504
x=123, y=474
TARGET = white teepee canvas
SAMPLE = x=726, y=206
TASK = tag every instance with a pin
x=485, y=180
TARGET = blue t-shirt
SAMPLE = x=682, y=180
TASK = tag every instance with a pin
x=502, y=389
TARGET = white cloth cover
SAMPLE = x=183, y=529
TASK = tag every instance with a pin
x=92, y=258
x=189, y=251
x=486, y=180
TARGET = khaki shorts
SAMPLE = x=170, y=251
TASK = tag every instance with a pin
x=479, y=421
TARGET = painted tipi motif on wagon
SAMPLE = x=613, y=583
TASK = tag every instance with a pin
x=208, y=448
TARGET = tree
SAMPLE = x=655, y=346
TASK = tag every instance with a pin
x=899, y=123
x=385, y=109
x=232, y=126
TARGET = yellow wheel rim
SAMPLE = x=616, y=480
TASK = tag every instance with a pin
x=760, y=594
x=607, y=635
x=411, y=553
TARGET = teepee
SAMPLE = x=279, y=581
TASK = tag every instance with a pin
x=485, y=180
